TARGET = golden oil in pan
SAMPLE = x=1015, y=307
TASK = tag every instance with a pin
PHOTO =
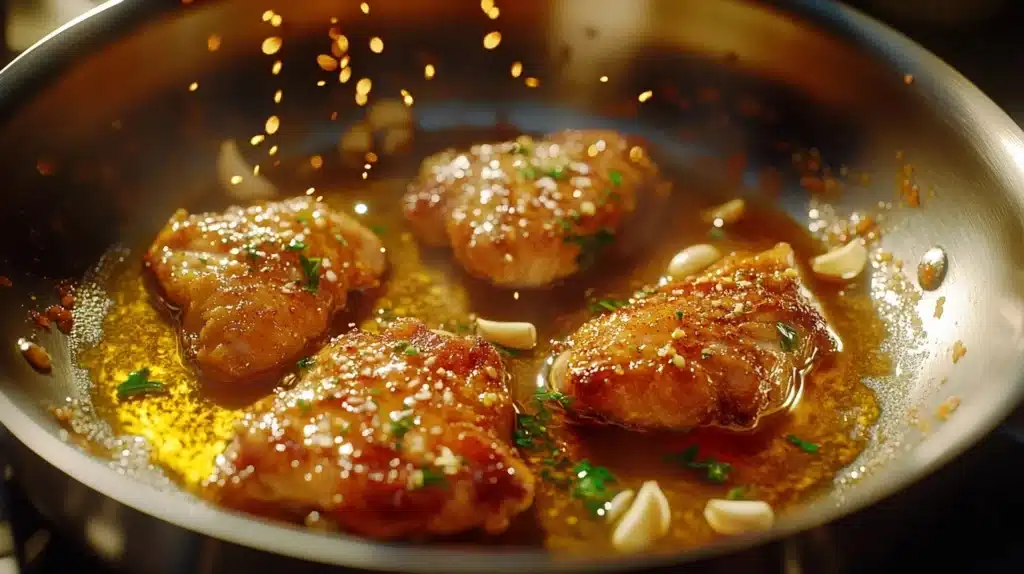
x=836, y=410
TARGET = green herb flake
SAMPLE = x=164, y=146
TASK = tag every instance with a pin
x=706, y=353
x=713, y=470
x=808, y=447
x=304, y=405
x=433, y=477
x=379, y=229
x=251, y=252
x=615, y=177
x=679, y=315
x=545, y=396
x=139, y=383
x=737, y=493
x=401, y=426
x=311, y=267
x=716, y=233
x=590, y=246
x=411, y=351
x=305, y=362
x=506, y=351
x=788, y=337
x=591, y=486
x=341, y=239
x=528, y=172
x=607, y=305
x=555, y=173
x=302, y=219
x=294, y=245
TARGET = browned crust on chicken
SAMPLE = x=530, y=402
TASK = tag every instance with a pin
x=710, y=350
x=256, y=287
x=398, y=435
x=526, y=213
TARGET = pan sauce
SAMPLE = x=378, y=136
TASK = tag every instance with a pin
x=186, y=427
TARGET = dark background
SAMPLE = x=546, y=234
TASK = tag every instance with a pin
x=965, y=518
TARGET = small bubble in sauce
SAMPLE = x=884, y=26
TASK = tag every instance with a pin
x=35, y=355
x=932, y=269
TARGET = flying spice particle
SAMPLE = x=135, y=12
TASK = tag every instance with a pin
x=257, y=139
x=327, y=62
x=517, y=69
x=407, y=98
x=193, y=86
x=492, y=40
x=272, y=124
x=213, y=43
x=376, y=45
x=365, y=8
x=429, y=71
x=345, y=75
x=277, y=96
x=273, y=150
x=271, y=45
x=276, y=20
x=604, y=79
x=268, y=15
x=276, y=68
x=236, y=179
x=341, y=42
x=645, y=96
x=532, y=82
x=364, y=86
x=316, y=161
x=361, y=99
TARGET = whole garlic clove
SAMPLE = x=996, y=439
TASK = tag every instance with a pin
x=618, y=505
x=842, y=263
x=738, y=516
x=647, y=520
x=692, y=260
x=515, y=335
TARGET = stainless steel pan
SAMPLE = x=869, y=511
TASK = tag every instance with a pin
x=101, y=139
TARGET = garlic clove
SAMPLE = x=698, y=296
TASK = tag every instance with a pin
x=728, y=212
x=515, y=335
x=647, y=520
x=738, y=516
x=842, y=263
x=618, y=505
x=693, y=259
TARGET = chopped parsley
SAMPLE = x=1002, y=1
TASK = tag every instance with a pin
x=528, y=172
x=305, y=362
x=555, y=173
x=401, y=426
x=557, y=396
x=716, y=233
x=615, y=177
x=311, y=267
x=411, y=351
x=788, y=337
x=341, y=239
x=302, y=219
x=294, y=245
x=808, y=447
x=520, y=149
x=379, y=229
x=607, y=305
x=590, y=246
x=432, y=477
x=139, y=383
x=679, y=315
x=591, y=486
x=737, y=493
x=303, y=405
x=406, y=348
x=713, y=470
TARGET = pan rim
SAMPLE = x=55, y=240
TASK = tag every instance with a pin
x=342, y=550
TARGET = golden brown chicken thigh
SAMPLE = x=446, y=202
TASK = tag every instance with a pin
x=257, y=286
x=403, y=434
x=525, y=213
x=723, y=348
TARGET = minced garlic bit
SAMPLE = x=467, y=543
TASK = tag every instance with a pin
x=959, y=350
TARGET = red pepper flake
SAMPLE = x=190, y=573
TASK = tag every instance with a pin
x=5, y=281
x=39, y=319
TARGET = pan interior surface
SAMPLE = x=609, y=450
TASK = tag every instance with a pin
x=94, y=172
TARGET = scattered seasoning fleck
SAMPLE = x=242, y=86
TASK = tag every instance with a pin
x=271, y=45
x=808, y=447
x=615, y=177
x=947, y=408
x=788, y=337
x=492, y=40
x=306, y=362
x=607, y=305
x=364, y=7
x=193, y=86
x=139, y=383
x=36, y=355
x=401, y=426
x=908, y=79
x=429, y=71
x=645, y=96
x=5, y=281
x=276, y=68
x=213, y=43
x=591, y=486
x=712, y=469
x=531, y=82
x=939, y=304
x=327, y=62
x=679, y=315
x=517, y=69
x=379, y=229
x=304, y=405
x=295, y=245
x=432, y=477
x=959, y=350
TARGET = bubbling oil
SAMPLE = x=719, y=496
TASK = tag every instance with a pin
x=187, y=428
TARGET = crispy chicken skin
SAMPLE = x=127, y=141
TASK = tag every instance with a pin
x=257, y=286
x=399, y=435
x=719, y=349
x=525, y=213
